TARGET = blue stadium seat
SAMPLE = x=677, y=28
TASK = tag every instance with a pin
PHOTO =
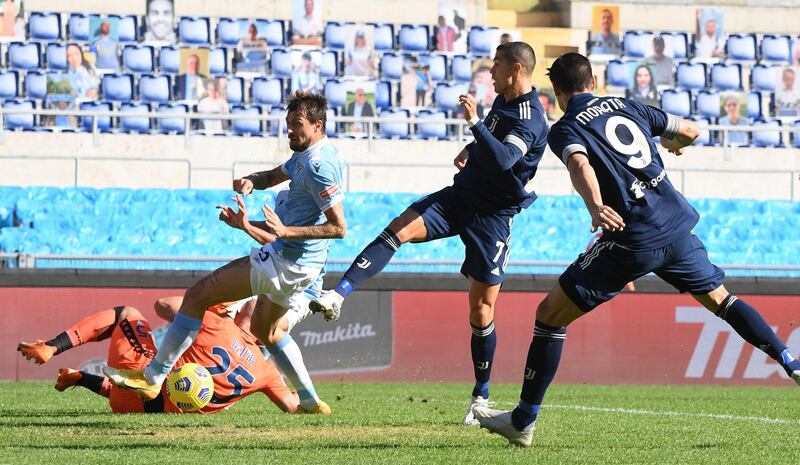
x=383, y=94
x=796, y=134
x=103, y=122
x=330, y=125
x=135, y=123
x=383, y=35
x=335, y=92
x=776, y=48
x=169, y=59
x=281, y=62
x=217, y=61
x=235, y=90
x=391, y=66
x=55, y=54
x=280, y=112
x=431, y=130
x=44, y=26
x=691, y=76
x=707, y=104
x=763, y=77
x=618, y=74
x=228, y=32
x=23, y=55
x=480, y=40
x=726, y=76
x=753, y=100
x=78, y=27
x=461, y=68
x=446, y=95
x=9, y=84
x=393, y=130
x=22, y=121
x=767, y=138
x=117, y=87
x=172, y=125
x=194, y=30
x=741, y=47
x=127, y=28
x=437, y=64
x=274, y=31
x=637, y=44
x=329, y=64
x=139, y=58
x=334, y=36
x=241, y=127
x=36, y=85
x=678, y=102
x=155, y=88
x=266, y=91
x=678, y=42
x=414, y=38
x=705, y=135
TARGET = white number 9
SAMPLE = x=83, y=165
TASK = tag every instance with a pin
x=639, y=148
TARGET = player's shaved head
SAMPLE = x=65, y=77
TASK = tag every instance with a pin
x=313, y=107
x=518, y=52
x=571, y=73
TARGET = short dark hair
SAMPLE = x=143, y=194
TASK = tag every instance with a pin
x=570, y=73
x=519, y=52
x=313, y=107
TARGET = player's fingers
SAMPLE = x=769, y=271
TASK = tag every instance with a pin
x=240, y=202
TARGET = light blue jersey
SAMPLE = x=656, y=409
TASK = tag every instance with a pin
x=315, y=186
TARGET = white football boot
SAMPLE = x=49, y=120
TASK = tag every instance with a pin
x=478, y=401
x=499, y=421
x=329, y=303
x=796, y=376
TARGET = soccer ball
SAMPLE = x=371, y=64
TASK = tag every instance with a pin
x=190, y=387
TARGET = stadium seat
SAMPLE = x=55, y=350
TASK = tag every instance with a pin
x=726, y=76
x=383, y=95
x=763, y=77
x=383, y=36
x=274, y=31
x=21, y=121
x=767, y=138
x=678, y=43
x=618, y=74
x=228, y=32
x=676, y=101
x=280, y=123
x=446, y=95
x=480, y=40
x=691, y=75
x=169, y=59
x=461, y=68
x=127, y=28
x=329, y=64
x=103, y=122
x=172, y=125
x=44, y=26
x=23, y=55
x=431, y=130
x=155, y=88
x=393, y=130
x=134, y=124
x=194, y=30
x=217, y=61
x=330, y=125
x=414, y=38
x=241, y=127
x=707, y=104
x=139, y=58
x=335, y=92
x=753, y=104
x=281, y=62
x=117, y=87
x=705, y=135
x=637, y=44
x=36, y=85
x=391, y=65
x=334, y=35
x=267, y=91
x=741, y=47
x=9, y=84
x=437, y=65
x=78, y=27
x=796, y=134
x=235, y=90
x=776, y=48
x=55, y=54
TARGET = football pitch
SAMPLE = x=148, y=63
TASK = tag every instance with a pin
x=412, y=423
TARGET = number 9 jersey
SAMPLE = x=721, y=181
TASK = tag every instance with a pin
x=617, y=136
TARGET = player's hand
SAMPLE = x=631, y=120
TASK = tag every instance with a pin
x=606, y=218
x=273, y=222
x=470, y=106
x=672, y=146
x=234, y=219
x=461, y=159
x=243, y=186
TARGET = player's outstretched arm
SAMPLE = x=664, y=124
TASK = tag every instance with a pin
x=584, y=179
x=334, y=227
x=505, y=153
x=260, y=181
x=258, y=230
x=687, y=133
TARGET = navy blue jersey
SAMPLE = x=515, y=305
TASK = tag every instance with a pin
x=508, y=145
x=617, y=136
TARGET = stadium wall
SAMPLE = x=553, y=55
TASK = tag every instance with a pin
x=414, y=328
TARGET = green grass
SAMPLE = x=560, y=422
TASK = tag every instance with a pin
x=411, y=423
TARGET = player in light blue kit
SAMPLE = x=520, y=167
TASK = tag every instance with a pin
x=296, y=249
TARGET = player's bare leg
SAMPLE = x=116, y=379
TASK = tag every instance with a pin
x=482, y=298
x=751, y=326
x=408, y=227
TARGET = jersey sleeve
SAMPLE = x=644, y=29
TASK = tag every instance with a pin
x=322, y=180
x=508, y=151
x=564, y=142
x=661, y=123
x=287, y=166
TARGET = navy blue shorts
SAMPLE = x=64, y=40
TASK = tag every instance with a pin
x=601, y=272
x=485, y=235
